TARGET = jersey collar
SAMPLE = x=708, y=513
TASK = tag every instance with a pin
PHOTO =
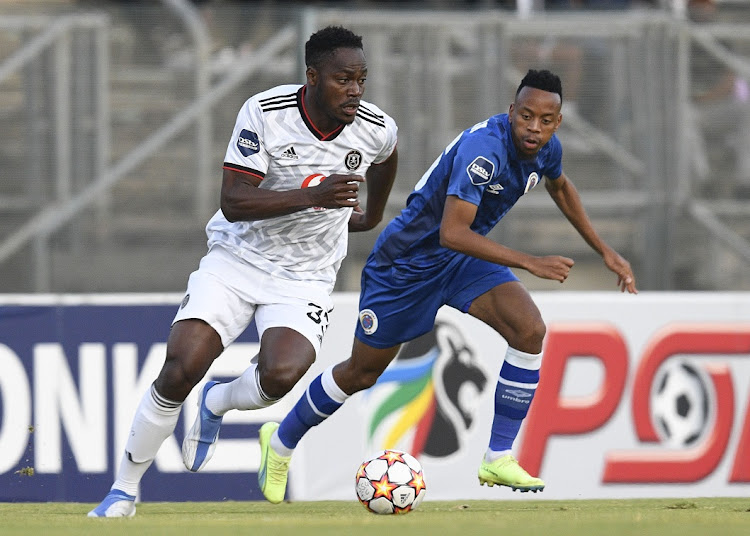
x=306, y=118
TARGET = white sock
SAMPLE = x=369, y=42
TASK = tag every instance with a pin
x=154, y=421
x=279, y=448
x=242, y=393
x=492, y=455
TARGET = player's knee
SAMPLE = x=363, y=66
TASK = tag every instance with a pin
x=177, y=378
x=530, y=337
x=277, y=379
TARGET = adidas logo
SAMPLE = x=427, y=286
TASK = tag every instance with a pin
x=290, y=153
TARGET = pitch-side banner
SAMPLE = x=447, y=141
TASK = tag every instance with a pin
x=640, y=396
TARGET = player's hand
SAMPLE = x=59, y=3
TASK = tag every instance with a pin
x=620, y=266
x=337, y=191
x=552, y=267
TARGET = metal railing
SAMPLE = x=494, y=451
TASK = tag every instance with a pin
x=438, y=73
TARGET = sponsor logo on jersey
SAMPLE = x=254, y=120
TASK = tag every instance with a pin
x=368, y=320
x=480, y=170
x=352, y=160
x=494, y=188
x=248, y=143
x=532, y=181
x=313, y=180
x=290, y=154
x=185, y=301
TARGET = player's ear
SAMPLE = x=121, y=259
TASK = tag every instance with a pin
x=312, y=76
x=510, y=112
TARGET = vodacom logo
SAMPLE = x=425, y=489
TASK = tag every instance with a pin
x=313, y=180
x=707, y=384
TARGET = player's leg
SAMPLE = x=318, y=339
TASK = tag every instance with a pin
x=323, y=396
x=390, y=313
x=329, y=391
x=284, y=357
x=291, y=325
x=292, y=334
x=509, y=309
x=191, y=348
x=226, y=291
x=494, y=295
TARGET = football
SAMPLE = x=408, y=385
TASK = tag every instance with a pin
x=680, y=404
x=391, y=482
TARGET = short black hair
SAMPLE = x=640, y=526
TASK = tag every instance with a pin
x=544, y=80
x=324, y=42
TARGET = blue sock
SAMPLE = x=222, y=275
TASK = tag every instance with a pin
x=321, y=399
x=519, y=377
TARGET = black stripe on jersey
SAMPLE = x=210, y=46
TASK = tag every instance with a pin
x=269, y=100
x=279, y=107
x=243, y=169
x=278, y=104
x=369, y=112
x=370, y=120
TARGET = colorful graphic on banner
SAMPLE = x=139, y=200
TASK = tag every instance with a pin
x=429, y=386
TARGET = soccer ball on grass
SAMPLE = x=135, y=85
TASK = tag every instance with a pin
x=391, y=482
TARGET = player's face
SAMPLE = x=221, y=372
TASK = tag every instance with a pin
x=338, y=85
x=534, y=117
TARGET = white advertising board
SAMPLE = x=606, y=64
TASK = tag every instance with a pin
x=640, y=396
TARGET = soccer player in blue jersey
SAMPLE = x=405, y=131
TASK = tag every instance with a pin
x=436, y=253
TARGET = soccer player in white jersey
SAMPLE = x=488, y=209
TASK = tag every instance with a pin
x=436, y=253
x=293, y=168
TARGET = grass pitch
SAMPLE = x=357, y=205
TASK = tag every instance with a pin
x=662, y=517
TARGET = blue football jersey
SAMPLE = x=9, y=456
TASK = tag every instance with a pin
x=480, y=166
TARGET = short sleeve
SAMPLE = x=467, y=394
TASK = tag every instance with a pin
x=391, y=138
x=246, y=147
x=475, y=164
x=553, y=166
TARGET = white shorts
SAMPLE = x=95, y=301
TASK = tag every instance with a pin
x=226, y=292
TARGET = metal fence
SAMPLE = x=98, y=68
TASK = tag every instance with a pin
x=111, y=157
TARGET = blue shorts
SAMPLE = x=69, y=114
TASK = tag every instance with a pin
x=398, y=304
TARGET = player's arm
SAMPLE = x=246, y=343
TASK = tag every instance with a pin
x=243, y=200
x=566, y=197
x=379, y=182
x=456, y=234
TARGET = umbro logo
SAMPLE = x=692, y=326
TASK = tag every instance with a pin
x=290, y=153
x=518, y=393
x=495, y=188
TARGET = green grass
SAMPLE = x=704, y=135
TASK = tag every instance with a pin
x=663, y=517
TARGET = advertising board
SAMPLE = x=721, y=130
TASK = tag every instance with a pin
x=640, y=396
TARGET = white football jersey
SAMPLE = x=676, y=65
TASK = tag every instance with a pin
x=275, y=140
